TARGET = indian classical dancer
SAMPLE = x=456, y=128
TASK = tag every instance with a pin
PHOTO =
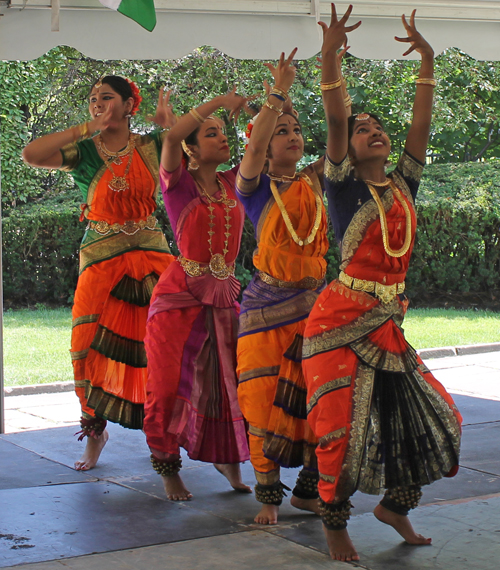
x=192, y=325
x=122, y=255
x=383, y=422
x=287, y=211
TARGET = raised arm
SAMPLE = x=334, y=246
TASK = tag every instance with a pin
x=334, y=96
x=255, y=156
x=171, y=155
x=418, y=135
x=45, y=152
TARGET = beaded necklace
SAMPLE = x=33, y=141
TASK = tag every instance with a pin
x=383, y=218
x=117, y=183
x=288, y=223
x=217, y=264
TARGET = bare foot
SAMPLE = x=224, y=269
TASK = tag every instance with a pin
x=311, y=505
x=92, y=452
x=232, y=473
x=175, y=489
x=401, y=524
x=340, y=545
x=268, y=514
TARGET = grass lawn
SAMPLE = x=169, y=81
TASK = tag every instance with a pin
x=36, y=342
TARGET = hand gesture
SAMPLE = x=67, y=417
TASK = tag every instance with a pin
x=103, y=121
x=418, y=43
x=335, y=35
x=284, y=72
x=164, y=116
x=234, y=103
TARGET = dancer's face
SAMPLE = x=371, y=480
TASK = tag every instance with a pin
x=369, y=141
x=104, y=96
x=211, y=144
x=287, y=144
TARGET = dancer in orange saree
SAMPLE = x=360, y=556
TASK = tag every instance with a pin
x=122, y=255
x=287, y=211
x=382, y=420
x=192, y=324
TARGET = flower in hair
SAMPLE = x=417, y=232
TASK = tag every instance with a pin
x=136, y=95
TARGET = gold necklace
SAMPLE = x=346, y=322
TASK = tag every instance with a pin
x=383, y=220
x=288, y=223
x=217, y=264
x=117, y=183
x=378, y=184
x=283, y=178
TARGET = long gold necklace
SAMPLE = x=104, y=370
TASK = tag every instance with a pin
x=288, y=223
x=117, y=183
x=217, y=264
x=383, y=220
x=282, y=178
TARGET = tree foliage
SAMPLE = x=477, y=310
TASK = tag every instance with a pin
x=50, y=94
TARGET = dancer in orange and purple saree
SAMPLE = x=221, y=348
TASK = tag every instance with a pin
x=383, y=422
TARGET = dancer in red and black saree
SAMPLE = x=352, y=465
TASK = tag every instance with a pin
x=383, y=422
x=192, y=325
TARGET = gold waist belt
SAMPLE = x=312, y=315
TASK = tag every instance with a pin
x=385, y=293
x=305, y=283
x=130, y=228
x=217, y=267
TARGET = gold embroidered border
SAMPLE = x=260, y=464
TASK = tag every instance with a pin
x=81, y=383
x=84, y=320
x=327, y=478
x=337, y=173
x=269, y=317
x=332, y=436
x=343, y=335
x=70, y=154
x=245, y=186
x=410, y=167
x=257, y=432
x=362, y=396
x=326, y=388
x=79, y=354
x=96, y=248
x=267, y=478
x=258, y=373
x=148, y=151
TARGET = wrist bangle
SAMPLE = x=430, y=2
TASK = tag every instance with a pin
x=347, y=101
x=278, y=95
x=330, y=85
x=424, y=81
x=277, y=90
x=82, y=132
x=194, y=113
x=273, y=108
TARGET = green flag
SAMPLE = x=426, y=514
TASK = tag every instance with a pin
x=141, y=11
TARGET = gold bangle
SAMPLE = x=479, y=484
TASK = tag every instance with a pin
x=273, y=108
x=194, y=113
x=279, y=91
x=84, y=131
x=331, y=85
x=347, y=101
x=423, y=81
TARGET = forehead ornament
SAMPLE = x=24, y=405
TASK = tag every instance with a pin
x=98, y=83
x=362, y=117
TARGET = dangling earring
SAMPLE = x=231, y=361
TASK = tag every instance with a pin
x=192, y=165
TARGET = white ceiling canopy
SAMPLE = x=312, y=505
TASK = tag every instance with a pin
x=253, y=29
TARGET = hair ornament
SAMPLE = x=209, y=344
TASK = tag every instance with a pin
x=362, y=117
x=136, y=96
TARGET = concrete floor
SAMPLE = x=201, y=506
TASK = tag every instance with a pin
x=116, y=516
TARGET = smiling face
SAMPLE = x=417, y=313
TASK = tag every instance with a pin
x=211, y=143
x=368, y=141
x=287, y=143
x=102, y=95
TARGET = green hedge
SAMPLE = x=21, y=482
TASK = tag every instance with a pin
x=457, y=250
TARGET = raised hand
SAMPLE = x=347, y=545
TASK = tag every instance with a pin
x=164, y=116
x=284, y=72
x=103, y=121
x=335, y=35
x=418, y=43
x=233, y=103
